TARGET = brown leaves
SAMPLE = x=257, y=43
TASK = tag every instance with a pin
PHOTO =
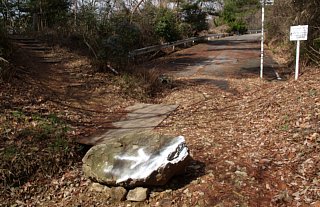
x=258, y=142
x=274, y=121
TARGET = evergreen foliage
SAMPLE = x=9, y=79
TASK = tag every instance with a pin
x=235, y=13
x=120, y=37
x=47, y=13
x=193, y=15
x=166, y=25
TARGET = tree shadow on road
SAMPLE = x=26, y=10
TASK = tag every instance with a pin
x=235, y=49
x=178, y=63
x=223, y=42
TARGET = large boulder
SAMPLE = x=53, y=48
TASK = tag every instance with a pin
x=137, y=159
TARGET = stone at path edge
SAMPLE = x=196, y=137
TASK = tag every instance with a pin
x=137, y=159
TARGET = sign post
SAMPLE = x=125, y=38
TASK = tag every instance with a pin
x=298, y=33
x=262, y=39
x=296, y=72
x=263, y=3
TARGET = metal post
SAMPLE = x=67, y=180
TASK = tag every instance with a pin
x=262, y=38
x=297, y=60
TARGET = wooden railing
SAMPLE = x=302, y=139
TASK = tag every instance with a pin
x=192, y=40
x=253, y=31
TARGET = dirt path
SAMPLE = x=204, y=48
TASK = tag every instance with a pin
x=67, y=81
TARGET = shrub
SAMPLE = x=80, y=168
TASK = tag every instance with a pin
x=166, y=25
x=238, y=26
x=121, y=37
x=194, y=16
x=287, y=13
x=185, y=29
x=146, y=21
x=238, y=14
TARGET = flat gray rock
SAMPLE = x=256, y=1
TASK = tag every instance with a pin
x=137, y=159
x=141, y=117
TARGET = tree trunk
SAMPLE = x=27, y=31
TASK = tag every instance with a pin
x=41, y=17
x=34, y=22
x=19, y=13
x=75, y=13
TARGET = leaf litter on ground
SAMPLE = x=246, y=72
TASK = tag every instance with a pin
x=257, y=143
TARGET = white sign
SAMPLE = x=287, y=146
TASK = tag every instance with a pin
x=267, y=2
x=299, y=32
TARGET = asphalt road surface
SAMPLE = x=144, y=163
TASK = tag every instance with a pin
x=230, y=57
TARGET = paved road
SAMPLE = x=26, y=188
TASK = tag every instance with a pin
x=231, y=57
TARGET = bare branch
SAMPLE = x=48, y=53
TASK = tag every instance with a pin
x=90, y=47
x=315, y=50
x=4, y=60
x=135, y=8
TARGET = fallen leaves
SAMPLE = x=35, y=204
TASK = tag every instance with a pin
x=256, y=143
x=279, y=123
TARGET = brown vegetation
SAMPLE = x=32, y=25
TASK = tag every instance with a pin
x=290, y=13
